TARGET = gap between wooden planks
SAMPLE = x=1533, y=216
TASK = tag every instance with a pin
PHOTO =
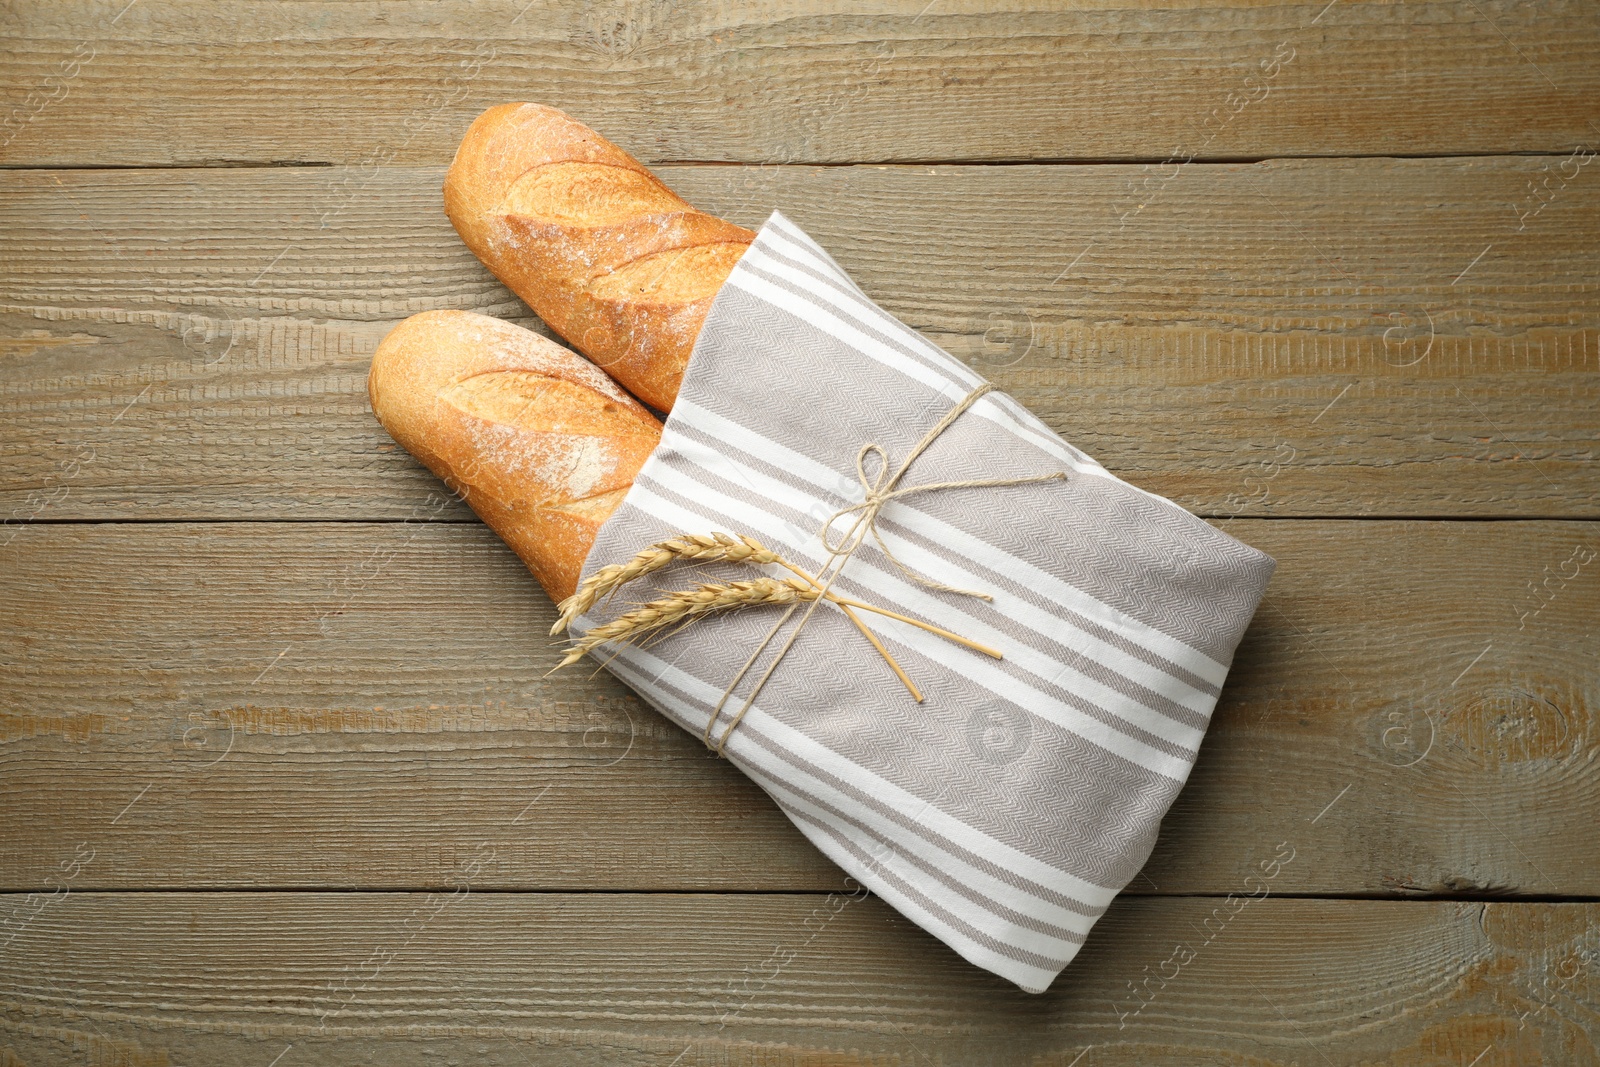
x=160, y=83
x=1302, y=338
x=361, y=705
x=706, y=979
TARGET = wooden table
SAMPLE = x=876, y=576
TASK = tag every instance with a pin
x=283, y=782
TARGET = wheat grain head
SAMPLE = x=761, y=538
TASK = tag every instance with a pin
x=687, y=605
x=705, y=548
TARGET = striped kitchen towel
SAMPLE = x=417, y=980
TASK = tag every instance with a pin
x=1003, y=813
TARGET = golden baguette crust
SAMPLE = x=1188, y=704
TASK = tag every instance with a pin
x=541, y=444
x=606, y=254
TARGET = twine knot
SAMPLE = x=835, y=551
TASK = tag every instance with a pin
x=883, y=487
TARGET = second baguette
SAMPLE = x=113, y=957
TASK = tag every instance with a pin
x=541, y=444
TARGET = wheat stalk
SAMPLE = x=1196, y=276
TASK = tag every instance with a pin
x=705, y=548
x=683, y=607
x=686, y=605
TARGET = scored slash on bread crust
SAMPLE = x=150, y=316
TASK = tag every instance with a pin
x=535, y=439
x=612, y=259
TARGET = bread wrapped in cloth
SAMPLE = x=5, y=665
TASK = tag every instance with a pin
x=540, y=443
x=606, y=254
x=1004, y=812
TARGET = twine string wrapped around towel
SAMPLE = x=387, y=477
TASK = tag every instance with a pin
x=651, y=621
x=879, y=491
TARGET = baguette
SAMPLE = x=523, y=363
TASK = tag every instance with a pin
x=541, y=444
x=605, y=253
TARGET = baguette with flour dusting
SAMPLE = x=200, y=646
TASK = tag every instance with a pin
x=541, y=444
x=610, y=257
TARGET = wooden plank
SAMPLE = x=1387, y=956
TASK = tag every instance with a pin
x=810, y=980
x=88, y=82
x=328, y=711
x=347, y=705
x=1372, y=337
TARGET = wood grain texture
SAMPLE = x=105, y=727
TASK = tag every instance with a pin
x=811, y=81
x=1304, y=338
x=818, y=980
x=348, y=705
x=350, y=708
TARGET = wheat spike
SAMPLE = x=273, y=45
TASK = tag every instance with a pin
x=705, y=548
x=687, y=605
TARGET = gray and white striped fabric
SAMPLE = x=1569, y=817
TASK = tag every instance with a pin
x=1004, y=813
